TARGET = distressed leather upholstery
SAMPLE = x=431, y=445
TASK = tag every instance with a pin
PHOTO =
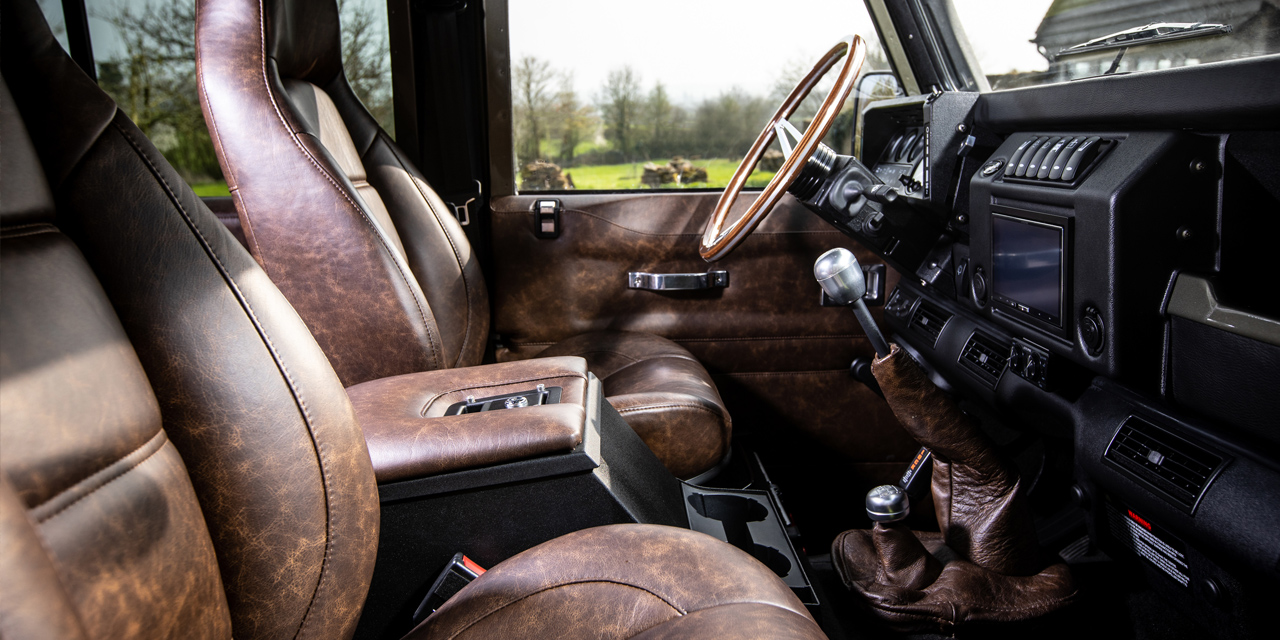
x=179, y=459
x=207, y=365
x=366, y=251
x=410, y=436
x=993, y=570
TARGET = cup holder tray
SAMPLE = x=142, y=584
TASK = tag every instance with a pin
x=749, y=520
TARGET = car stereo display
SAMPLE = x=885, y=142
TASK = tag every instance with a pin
x=1026, y=266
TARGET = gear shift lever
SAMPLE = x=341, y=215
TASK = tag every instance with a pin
x=839, y=274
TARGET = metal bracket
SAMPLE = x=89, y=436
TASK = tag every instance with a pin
x=677, y=281
x=463, y=211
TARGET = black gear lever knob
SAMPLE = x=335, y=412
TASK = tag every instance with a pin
x=841, y=277
x=887, y=503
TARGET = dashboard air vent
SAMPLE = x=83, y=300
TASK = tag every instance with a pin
x=1171, y=464
x=929, y=321
x=986, y=357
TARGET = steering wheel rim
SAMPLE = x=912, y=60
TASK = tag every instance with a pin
x=718, y=241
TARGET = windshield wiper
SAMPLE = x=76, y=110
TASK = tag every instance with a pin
x=1148, y=34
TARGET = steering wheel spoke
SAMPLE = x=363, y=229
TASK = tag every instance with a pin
x=785, y=132
x=797, y=147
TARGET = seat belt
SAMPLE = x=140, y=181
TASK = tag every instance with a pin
x=444, y=30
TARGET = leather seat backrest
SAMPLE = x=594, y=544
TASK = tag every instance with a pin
x=138, y=334
x=346, y=226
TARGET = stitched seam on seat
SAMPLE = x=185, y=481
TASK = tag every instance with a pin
x=441, y=394
x=648, y=407
x=457, y=256
x=159, y=436
x=275, y=354
x=26, y=230
x=266, y=81
x=293, y=135
x=378, y=233
x=731, y=604
x=483, y=616
x=653, y=359
x=628, y=356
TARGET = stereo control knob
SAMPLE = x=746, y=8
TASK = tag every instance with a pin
x=1092, y=330
x=978, y=284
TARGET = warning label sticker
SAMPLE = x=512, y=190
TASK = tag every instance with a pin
x=1141, y=537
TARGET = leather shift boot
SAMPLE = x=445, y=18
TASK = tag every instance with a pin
x=997, y=574
x=980, y=512
x=889, y=556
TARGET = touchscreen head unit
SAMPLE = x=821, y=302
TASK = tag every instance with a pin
x=1027, y=267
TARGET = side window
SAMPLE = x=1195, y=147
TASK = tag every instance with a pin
x=145, y=56
x=57, y=21
x=661, y=100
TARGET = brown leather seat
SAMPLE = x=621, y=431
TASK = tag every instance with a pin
x=180, y=460
x=366, y=251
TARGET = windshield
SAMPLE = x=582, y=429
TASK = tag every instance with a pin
x=1021, y=43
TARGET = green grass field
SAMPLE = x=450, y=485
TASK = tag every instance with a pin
x=627, y=176
x=608, y=177
x=205, y=189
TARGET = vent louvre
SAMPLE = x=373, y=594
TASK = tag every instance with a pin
x=986, y=356
x=1177, y=467
x=929, y=321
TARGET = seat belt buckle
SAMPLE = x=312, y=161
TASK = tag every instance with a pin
x=546, y=218
x=463, y=211
x=459, y=573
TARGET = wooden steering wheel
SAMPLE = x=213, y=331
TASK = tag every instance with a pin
x=718, y=241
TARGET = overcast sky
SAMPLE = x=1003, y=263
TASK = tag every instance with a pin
x=700, y=48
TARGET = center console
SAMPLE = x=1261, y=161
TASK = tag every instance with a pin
x=496, y=459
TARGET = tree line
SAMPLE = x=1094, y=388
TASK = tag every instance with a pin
x=153, y=79
x=552, y=120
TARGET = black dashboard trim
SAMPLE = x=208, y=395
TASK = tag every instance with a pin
x=1184, y=97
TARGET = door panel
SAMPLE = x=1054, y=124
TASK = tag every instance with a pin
x=779, y=359
x=768, y=319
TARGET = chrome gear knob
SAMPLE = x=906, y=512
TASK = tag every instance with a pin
x=887, y=503
x=840, y=276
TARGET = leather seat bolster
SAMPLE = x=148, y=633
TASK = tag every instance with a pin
x=666, y=573
x=36, y=604
x=607, y=352
x=410, y=436
x=285, y=178
x=662, y=391
x=687, y=434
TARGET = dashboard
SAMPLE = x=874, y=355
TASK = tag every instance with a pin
x=1062, y=268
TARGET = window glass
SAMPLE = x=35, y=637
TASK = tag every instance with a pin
x=145, y=53
x=57, y=22
x=665, y=98
x=1025, y=46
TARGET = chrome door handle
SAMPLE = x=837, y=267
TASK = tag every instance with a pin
x=677, y=281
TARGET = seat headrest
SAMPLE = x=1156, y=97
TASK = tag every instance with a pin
x=303, y=38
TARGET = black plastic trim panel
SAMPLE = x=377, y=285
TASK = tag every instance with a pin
x=1185, y=97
